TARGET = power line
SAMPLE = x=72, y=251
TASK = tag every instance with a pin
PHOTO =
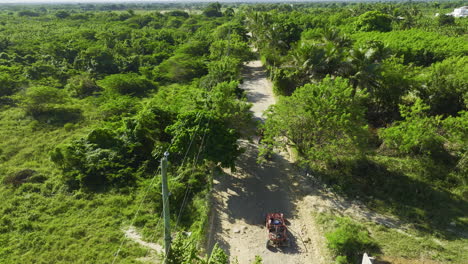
x=151, y=184
x=136, y=214
x=187, y=190
x=184, y=202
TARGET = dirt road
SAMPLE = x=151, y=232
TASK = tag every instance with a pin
x=242, y=198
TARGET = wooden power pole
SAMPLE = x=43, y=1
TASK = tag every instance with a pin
x=165, y=194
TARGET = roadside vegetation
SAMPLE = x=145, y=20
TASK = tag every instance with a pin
x=373, y=99
x=90, y=101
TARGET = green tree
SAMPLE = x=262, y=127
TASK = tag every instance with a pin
x=181, y=68
x=128, y=83
x=314, y=61
x=49, y=105
x=62, y=14
x=362, y=69
x=322, y=121
x=234, y=47
x=456, y=131
x=211, y=138
x=225, y=69
x=229, y=12
x=445, y=87
x=374, y=21
x=94, y=161
x=97, y=59
x=225, y=105
x=81, y=86
x=416, y=134
x=213, y=10
x=9, y=84
x=445, y=20
x=40, y=99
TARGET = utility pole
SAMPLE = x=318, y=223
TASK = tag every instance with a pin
x=165, y=194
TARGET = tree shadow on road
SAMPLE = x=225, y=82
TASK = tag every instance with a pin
x=252, y=191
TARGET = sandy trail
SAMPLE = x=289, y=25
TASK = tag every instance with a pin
x=242, y=198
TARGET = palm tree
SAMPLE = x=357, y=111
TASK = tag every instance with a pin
x=362, y=69
x=316, y=60
x=334, y=36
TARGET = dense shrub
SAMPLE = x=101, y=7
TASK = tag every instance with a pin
x=445, y=86
x=322, y=121
x=39, y=99
x=213, y=10
x=220, y=147
x=129, y=83
x=181, y=68
x=374, y=21
x=94, y=161
x=224, y=69
x=233, y=46
x=9, y=83
x=116, y=107
x=417, y=46
x=49, y=104
x=416, y=134
x=81, y=86
x=106, y=157
x=444, y=20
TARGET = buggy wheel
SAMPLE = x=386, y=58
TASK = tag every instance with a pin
x=268, y=244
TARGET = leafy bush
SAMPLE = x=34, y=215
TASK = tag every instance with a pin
x=226, y=106
x=9, y=83
x=116, y=107
x=94, y=161
x=96, y=59
x=417, y=134
x=220, y=146
x=234, y=47
x=456, y=129
x=81, y=86
x=322, y=121
x=183, y=250
x=349, y=241
x=374, y=21
x=444, y=20
x=181, y=68
x=258, y=260
x=225, y=69
x=218, y=256
x=415, y=45
x=445, y=85
x=112, y=157
x=213, y=10
x=49, y=105
x=40, y=99
x=62, y=14
x=129, y=83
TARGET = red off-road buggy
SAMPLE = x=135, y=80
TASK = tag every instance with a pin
x=277, y=231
